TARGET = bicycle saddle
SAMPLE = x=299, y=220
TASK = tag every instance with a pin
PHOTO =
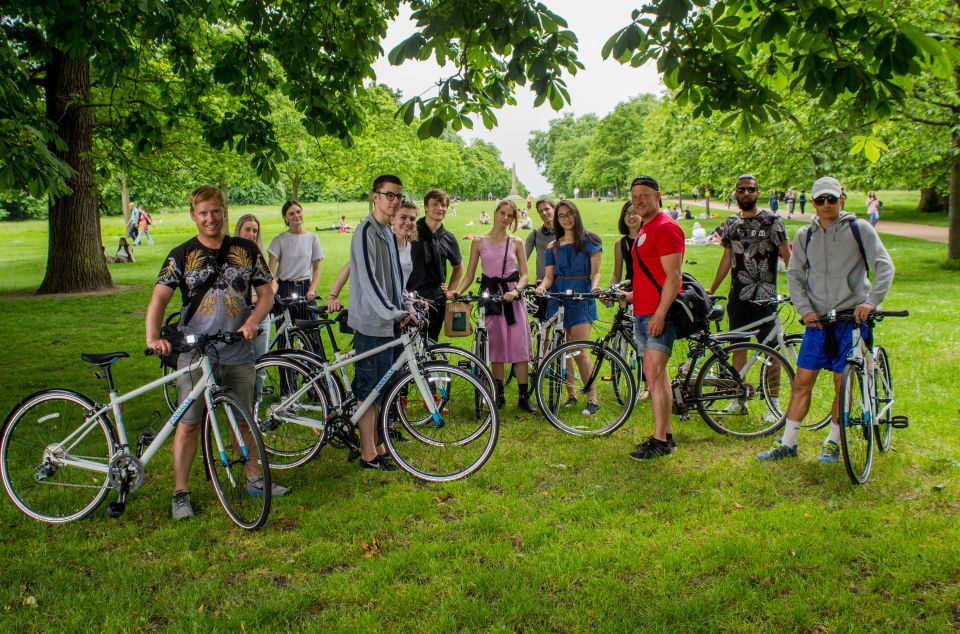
x=104, y=359
x=312, y=324
x=734, y=336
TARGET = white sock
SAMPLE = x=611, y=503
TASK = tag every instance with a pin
x=790, y=433
x=834, y=434
x=775, y=401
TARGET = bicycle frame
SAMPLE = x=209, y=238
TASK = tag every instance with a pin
x=776, y=338
x=862, y=357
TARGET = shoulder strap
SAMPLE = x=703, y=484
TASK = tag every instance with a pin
x=646, y=271
x=855, y=228
x=506, y=251
x=197, y=296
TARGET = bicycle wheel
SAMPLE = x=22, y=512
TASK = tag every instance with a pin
x=749, y=403
x=465, y=360
x=299, y=340
x=821, y=397
x=230, y=461
x=856, y=429
x=627, y=350
x=609, y=376
x=288, y=410
x=169, y=389
x=883, y=429
x=451, y=445
x=43, y=438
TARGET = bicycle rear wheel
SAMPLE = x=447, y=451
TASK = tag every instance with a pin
x=821, y=396
x=454, y=443
x=169, y=389
x=610, y=380
x=883, y=429
x=747, y=403
x=234, y=453
x=40, y=437
x=465, y=360
x=288, y=409
x=856, y=428
x=627, y=349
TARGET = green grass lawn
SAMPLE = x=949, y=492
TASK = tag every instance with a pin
x=554, y=534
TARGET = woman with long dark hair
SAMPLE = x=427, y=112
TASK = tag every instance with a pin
x=295, y=257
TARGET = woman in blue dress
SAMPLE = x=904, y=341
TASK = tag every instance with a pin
x=572, y=263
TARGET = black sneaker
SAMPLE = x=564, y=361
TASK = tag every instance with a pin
x=672, y=442
x=381, y=463
x=396, y=436
x=651, y=448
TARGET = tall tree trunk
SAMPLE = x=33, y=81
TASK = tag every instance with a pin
x=75, y=261
x=124, y=199
x=225, y=192
x=953, y=223
x=295, y=187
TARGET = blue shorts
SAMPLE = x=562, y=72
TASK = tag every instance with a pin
x=813, y=354
x=661, y=343
x=368, y=372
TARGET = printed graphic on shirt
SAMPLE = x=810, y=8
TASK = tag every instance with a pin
x=754, y=244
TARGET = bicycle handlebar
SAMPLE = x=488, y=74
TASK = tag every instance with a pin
x=835, y=316
x=200, y=341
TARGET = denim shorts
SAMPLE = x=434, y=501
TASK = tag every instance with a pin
x=661, y=343
x=813, y=354
x=368, y=372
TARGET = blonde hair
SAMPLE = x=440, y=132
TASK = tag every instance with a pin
x=206, y=192
x=245, y=218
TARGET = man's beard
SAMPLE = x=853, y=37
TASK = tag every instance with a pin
x=749, y=205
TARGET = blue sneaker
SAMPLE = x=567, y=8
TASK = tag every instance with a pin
x=778, y=451
x=830, y=453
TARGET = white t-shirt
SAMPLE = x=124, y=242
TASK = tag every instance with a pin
x=406, y=264
x=295, y=253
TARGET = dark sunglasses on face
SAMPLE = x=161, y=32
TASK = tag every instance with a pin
x=746, y=190
x=822, y=200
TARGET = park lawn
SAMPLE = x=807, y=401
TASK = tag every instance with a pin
x=555, y=533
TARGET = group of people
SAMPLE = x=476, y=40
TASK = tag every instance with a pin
x=138, y=227
x=392, y=250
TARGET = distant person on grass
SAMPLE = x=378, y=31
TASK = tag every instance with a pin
x=753, y=239
x=224, y=309
x=827, y=272
x=657, y=253
x=377, y=307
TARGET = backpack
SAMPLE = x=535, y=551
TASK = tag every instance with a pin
x=691, y=307
x=855, y=230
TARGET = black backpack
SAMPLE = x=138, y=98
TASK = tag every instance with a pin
x=691, y=307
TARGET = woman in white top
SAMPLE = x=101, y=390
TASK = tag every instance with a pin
x=294, y=258
x=404, y=226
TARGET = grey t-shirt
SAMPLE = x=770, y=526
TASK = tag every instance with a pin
x=295, y=254
x=539, y=239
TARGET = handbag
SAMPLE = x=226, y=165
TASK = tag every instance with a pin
x=456, y=320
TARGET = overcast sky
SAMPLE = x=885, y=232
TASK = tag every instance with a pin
x=597, y=88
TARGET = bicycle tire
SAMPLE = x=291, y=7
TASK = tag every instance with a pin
x=856, y=429
x=884, y=381
x=610, y=373
x=822, y=393
x=737, y=404
x=290, y=394
x=334, y=385
x=627, y=349
x=170, y=396
x=465, y=359
x=454, y=445
x=34, y=477
x=298, y=339
x=226, y=461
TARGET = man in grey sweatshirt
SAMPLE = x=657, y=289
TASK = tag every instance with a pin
x=377, y=307
x=828, y=271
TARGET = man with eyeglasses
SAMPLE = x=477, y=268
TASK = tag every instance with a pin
x=434, y=247
x=829, y=271
x=752, y=241
x=377, y=307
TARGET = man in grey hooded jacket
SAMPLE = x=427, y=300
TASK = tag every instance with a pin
x=828, y=271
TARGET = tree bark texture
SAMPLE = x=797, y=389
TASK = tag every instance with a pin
x=295, y=187
x=75, y=261
x=124, y=199
x=224, y=187
x=953, y=222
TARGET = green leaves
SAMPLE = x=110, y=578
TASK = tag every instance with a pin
x=869, y=145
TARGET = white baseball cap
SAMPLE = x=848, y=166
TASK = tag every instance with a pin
x=826, y=185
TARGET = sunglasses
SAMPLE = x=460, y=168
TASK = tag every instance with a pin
x=822, y=200
x=746, y=190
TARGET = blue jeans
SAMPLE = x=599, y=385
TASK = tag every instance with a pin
x=661, y=343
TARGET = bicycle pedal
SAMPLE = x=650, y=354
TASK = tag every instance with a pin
x=353, y=455
x=899, y=422
x=116, y=509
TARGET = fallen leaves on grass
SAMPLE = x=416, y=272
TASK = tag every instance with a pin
x=738, y=506
x=368, y=551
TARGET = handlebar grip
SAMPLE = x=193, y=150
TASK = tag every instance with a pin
x=894, y=313
x=148, y=352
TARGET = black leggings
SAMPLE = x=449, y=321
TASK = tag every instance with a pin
x=286, y=288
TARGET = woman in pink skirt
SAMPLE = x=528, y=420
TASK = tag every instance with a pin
x=504, y=264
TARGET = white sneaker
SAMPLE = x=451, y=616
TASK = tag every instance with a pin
x=735, y=409
x=770, y=417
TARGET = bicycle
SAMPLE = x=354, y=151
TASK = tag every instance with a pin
x=743, y=403
x=442, y=407
x=60, y=456
x=866, y=397
x=587, y=367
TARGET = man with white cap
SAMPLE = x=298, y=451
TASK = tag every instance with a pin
x=829, y=271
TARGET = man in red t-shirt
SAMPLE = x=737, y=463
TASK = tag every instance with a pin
x=657, y=256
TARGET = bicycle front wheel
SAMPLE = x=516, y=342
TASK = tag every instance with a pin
x=599, y=375
x=455, y=442
x=627, y=349
x=821, y=396
x=856, y=428
x=236, y=459
x=748, y=402
x=170, y=389
x=54, y=456
x=883, y=428
x=465, y=360
x=291, y=411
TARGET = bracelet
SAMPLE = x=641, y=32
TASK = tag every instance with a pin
x=331, y=296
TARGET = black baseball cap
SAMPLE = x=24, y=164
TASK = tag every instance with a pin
x=649, y=181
